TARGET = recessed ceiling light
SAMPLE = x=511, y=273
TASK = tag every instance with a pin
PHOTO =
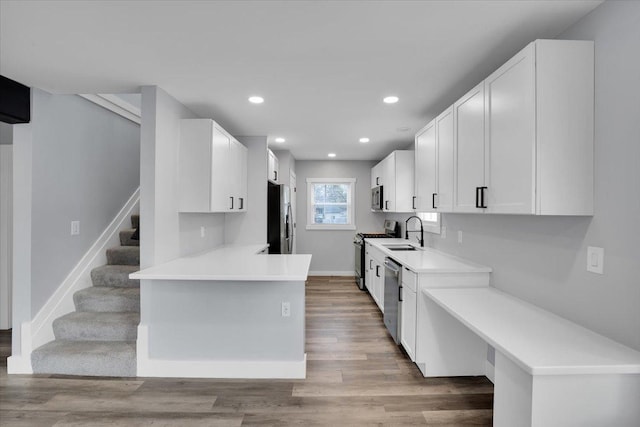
x=331, y=154
x=364, y=140
x=256, y=99
x=391, y=99
x=279, y=139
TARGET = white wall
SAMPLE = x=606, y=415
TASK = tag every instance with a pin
x=333, y=250
x=251, y=226
x=74, y=161
x=166, y=234
x=85, y=166
x=6, y=230
x=543, y=259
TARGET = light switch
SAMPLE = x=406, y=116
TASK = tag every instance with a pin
x=75, y=228
x=460, y=236
x=595, y=259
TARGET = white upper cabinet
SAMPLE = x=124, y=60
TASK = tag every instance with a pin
x=273, y=168
x=522, y=140
x=444, y=146
x=395, y=174
x=469, y=156
x=511, y=139
x=212, y=169
x=238, y=163
x=539, y=131
x=434, y=165
x=425, y=167
x=376, y=175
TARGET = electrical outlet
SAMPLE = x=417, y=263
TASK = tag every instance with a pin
x=443, y=232
x=459, y=236
x=595, y=260
x=75, y=228
x=286, y=309
x=202, y=231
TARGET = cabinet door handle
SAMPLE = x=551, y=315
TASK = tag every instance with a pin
x=433, y=200
x=377, y=178
x=482, y=204
x=478, y=197
x=231, y=202
x=275, y=175
x=370, y=266
x=377, y=271
x=241, y=203
x=400, y=293
x=386, y=205
x=413, y=202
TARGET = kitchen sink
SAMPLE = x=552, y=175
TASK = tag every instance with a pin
x=401, y=247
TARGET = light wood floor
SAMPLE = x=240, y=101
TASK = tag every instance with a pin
x=356, y=375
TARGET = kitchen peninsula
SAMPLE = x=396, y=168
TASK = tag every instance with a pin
x=231, y=312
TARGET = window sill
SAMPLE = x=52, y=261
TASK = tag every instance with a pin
x=330, y=227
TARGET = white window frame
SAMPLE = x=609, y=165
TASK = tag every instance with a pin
x=428, y=224
x=351, y=209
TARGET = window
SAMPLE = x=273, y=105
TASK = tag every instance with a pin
x=430, y=221
x=330, y=203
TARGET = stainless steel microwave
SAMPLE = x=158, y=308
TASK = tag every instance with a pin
x=377, y=199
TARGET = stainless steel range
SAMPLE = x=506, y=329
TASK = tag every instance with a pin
x=391, y=229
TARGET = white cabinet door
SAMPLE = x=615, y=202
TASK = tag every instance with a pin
x=510, y=136
x=408, y=325
x=212, y=174
x=408, y=313
x=444, y=166
x=389, y=180
x=238, y=176
x=376, y=175
x=203, y=167
x=220, y=171
x=404, y=176
x=469, y=151
x=273, y=167
x=425, y=167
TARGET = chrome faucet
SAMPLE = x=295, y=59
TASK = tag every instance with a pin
x=406, y=228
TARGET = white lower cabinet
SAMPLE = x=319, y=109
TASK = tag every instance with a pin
x=374, y=275
x=408, y=313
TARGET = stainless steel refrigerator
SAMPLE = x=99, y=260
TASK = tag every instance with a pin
x=279, y=219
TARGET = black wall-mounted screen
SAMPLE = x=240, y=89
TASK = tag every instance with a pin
x=15, y=102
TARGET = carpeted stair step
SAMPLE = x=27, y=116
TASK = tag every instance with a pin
x=125, y=238
x=107, y=299
x=95, y=358
x=123, y=255
x=91, y=326
x=135, y=221
x=115, y=276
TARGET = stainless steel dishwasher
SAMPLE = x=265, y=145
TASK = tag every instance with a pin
x=392, y=298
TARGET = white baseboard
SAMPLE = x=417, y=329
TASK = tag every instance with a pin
x=21, y=363
x=332, y=273
x=490, y=371
x=61, y=302
x=246, y=369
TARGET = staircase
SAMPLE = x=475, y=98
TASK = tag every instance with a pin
x=99, y=338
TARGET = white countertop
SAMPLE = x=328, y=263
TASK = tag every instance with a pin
x=231, y=263
x=539, y=341
x=426, y=260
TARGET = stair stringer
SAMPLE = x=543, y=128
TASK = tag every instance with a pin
x=61, y=302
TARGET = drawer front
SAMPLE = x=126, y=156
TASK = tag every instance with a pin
x=409, y=279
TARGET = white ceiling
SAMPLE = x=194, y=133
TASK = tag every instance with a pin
x=323, y=67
